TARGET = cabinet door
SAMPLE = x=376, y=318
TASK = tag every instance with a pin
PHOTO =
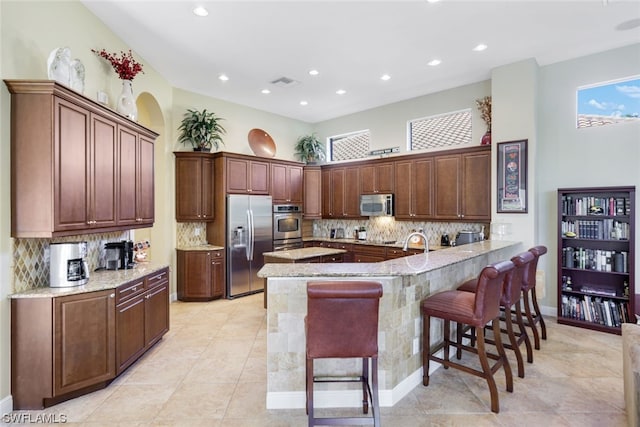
x=476, y=184
x=295, y=184
x=84, y=349
x=130, y=332
x=156, y=313
x=351, y=193
x=447, y=180
x=71, y=166
x=103, y=172
x=404, y=190
x=422, y=188
x=127, y=181
x=337, y=193
x=237, y=175
x=188, y=185
x=259, y=178
x=194, y=275
x=312, y=193
x=367, y=179
x=145, y=197
x=327, y=194
x=279, y=185
x=207, y=202
x=217, y=274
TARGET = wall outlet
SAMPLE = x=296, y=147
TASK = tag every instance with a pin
x=46, y=257
x=417, y=327
x=196, y=231
x=416, y=345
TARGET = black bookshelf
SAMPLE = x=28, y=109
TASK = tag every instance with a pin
x=596, y=253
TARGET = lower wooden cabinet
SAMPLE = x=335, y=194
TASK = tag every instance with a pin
x=142, y=317
x=201, y=275
x=368, y=253
x=66, y=346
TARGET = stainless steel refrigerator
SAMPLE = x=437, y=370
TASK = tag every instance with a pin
x=249, y=235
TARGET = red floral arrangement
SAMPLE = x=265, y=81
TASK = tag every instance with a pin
x=124, y=65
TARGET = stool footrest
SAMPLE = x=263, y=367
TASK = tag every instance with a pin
x=320, y=379
x=353, y=421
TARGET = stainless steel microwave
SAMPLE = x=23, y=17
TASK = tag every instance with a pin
x=376, y=205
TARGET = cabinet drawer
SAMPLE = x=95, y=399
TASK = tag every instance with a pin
x=157, y=278
x=217, y=254
x=129, y=290
x=333, y=258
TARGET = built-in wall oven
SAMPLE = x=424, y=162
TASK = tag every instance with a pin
x=287, y=227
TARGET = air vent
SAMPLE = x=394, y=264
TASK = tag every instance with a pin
x=284, y=82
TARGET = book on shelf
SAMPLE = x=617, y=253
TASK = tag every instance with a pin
x=592, y=205
x=598, y=310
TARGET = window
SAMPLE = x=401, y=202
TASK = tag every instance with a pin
x=349, y=146
x=608, y=103
x=443, y=130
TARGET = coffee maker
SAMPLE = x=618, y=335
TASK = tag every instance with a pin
x=119, y=255
x=68, y=264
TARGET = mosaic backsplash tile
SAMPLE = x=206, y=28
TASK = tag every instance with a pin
x=191, y=234
x=31, y=257
x=388, y=229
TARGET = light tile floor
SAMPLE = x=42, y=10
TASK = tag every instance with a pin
x=210, y=370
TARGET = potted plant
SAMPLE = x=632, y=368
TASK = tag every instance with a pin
x=309, y=149
x=202, y=129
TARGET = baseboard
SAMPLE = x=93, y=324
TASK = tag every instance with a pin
x=6, y=405
x=549, y=311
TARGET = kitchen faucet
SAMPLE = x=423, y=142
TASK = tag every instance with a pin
x=416, y=233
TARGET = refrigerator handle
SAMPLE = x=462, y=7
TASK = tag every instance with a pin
x=250, y=237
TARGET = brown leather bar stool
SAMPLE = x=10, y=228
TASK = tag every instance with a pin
x=476, y=310
x=530, y=299
x=342, y=322
x=509, y=305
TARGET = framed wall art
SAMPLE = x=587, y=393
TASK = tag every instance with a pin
x=512, y=177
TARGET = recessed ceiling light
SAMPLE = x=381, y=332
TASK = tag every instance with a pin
x=480, y=47
x=200, y=11
x=303, y=103
x=314, y=72
x=341, y=91
x=434, y=62
x=433, y=1
x=266, y=91
x=223, y=77
x=385, y=77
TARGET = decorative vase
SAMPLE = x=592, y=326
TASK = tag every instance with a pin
x=127, y=103
x=486, y=138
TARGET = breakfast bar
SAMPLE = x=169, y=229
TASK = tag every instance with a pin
x=406, y=281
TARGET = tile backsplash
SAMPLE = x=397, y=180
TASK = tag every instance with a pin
x=388, y=229
x=31, y=257
x=191, y=234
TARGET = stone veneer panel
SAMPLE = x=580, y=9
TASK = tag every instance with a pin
x=400, y=323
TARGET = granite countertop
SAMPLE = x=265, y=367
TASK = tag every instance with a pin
x=200, y=248
x=296, y=254
x=385, y=243
x=405, y=266
x=98, y=281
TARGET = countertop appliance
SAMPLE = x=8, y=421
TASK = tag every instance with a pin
x=68, y=264
x=444, y=240
x=466, y=236
x=287, y=227
x=119, y=255
x=249, y=235
x=376, y=205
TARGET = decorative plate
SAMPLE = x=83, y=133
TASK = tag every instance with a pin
x=261, y=143
x=76, y=77
x=59, y=64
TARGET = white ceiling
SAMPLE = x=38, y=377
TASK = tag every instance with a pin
x=352, y=43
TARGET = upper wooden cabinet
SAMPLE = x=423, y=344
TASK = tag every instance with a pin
x=312, y=192
x=377, y=178
x=77, y=167
x=340, y=192
x=286, y=183
x=462, y=186
x=414, y=189
x=246, y=176
x=194, y=186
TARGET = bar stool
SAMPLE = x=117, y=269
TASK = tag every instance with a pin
x=509, y=305
x=342, y=322
x=476, y=310
x=530, y=298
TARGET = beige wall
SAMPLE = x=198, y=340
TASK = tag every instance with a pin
x=30, y=31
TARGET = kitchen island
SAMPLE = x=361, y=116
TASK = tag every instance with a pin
x=406, y=281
